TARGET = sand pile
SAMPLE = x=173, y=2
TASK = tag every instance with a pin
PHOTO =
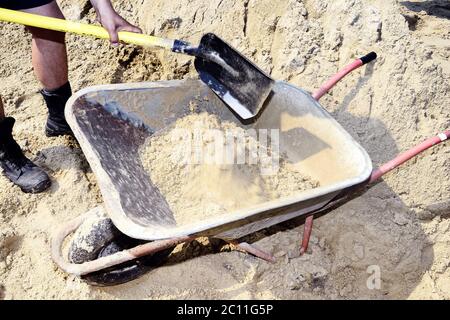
x=400, y=225
x=205, y=167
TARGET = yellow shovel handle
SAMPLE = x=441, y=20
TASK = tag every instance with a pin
x=34, y=20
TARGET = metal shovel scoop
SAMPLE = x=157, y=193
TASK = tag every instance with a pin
x=237, y=81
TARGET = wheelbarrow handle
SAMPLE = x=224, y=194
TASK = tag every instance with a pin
x=342, y=73
x=411, y=153
x=49, y=23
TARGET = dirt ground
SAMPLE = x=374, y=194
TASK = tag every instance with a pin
x=398, y=229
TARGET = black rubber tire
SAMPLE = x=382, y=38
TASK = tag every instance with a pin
x=98, y=238
x=126, y=271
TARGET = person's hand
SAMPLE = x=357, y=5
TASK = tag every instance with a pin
x=112, y=21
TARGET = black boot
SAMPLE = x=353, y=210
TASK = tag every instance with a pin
x=16, y=167
x=56, y=101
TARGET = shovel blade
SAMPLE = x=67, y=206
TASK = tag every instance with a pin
x=237, y=81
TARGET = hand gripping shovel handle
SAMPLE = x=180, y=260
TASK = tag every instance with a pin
x=84, y=29
x=233, y=78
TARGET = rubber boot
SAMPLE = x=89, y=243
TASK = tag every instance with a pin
x=16, y=167
x=56, y=102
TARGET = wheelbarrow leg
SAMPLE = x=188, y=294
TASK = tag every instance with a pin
x=306, y=233
x=246, y=247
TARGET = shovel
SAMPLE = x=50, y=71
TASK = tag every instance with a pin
x=238, y=82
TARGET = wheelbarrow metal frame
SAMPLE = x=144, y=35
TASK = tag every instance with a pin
x=155, y=246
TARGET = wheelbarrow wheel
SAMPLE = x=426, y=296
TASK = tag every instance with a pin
x=98, y=237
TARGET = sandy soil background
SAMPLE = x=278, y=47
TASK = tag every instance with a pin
x=400, y=225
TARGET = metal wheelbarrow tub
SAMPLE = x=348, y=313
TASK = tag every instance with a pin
x=111, y=123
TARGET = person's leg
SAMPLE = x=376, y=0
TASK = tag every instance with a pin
x=49, y=50
x=50, y=65
x=16, y=167
x=49, y=58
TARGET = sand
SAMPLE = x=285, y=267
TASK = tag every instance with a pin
x=206, y=168
x=400, y=225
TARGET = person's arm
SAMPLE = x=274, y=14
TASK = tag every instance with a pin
x=111, y=20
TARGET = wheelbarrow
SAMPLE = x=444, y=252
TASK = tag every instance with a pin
x=112, y=122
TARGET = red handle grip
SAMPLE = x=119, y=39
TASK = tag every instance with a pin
x=338, y=76
x=402, y=158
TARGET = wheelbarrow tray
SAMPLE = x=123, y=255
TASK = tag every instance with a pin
x=112, y=122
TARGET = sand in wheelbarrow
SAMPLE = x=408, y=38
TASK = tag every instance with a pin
x=205, y=167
